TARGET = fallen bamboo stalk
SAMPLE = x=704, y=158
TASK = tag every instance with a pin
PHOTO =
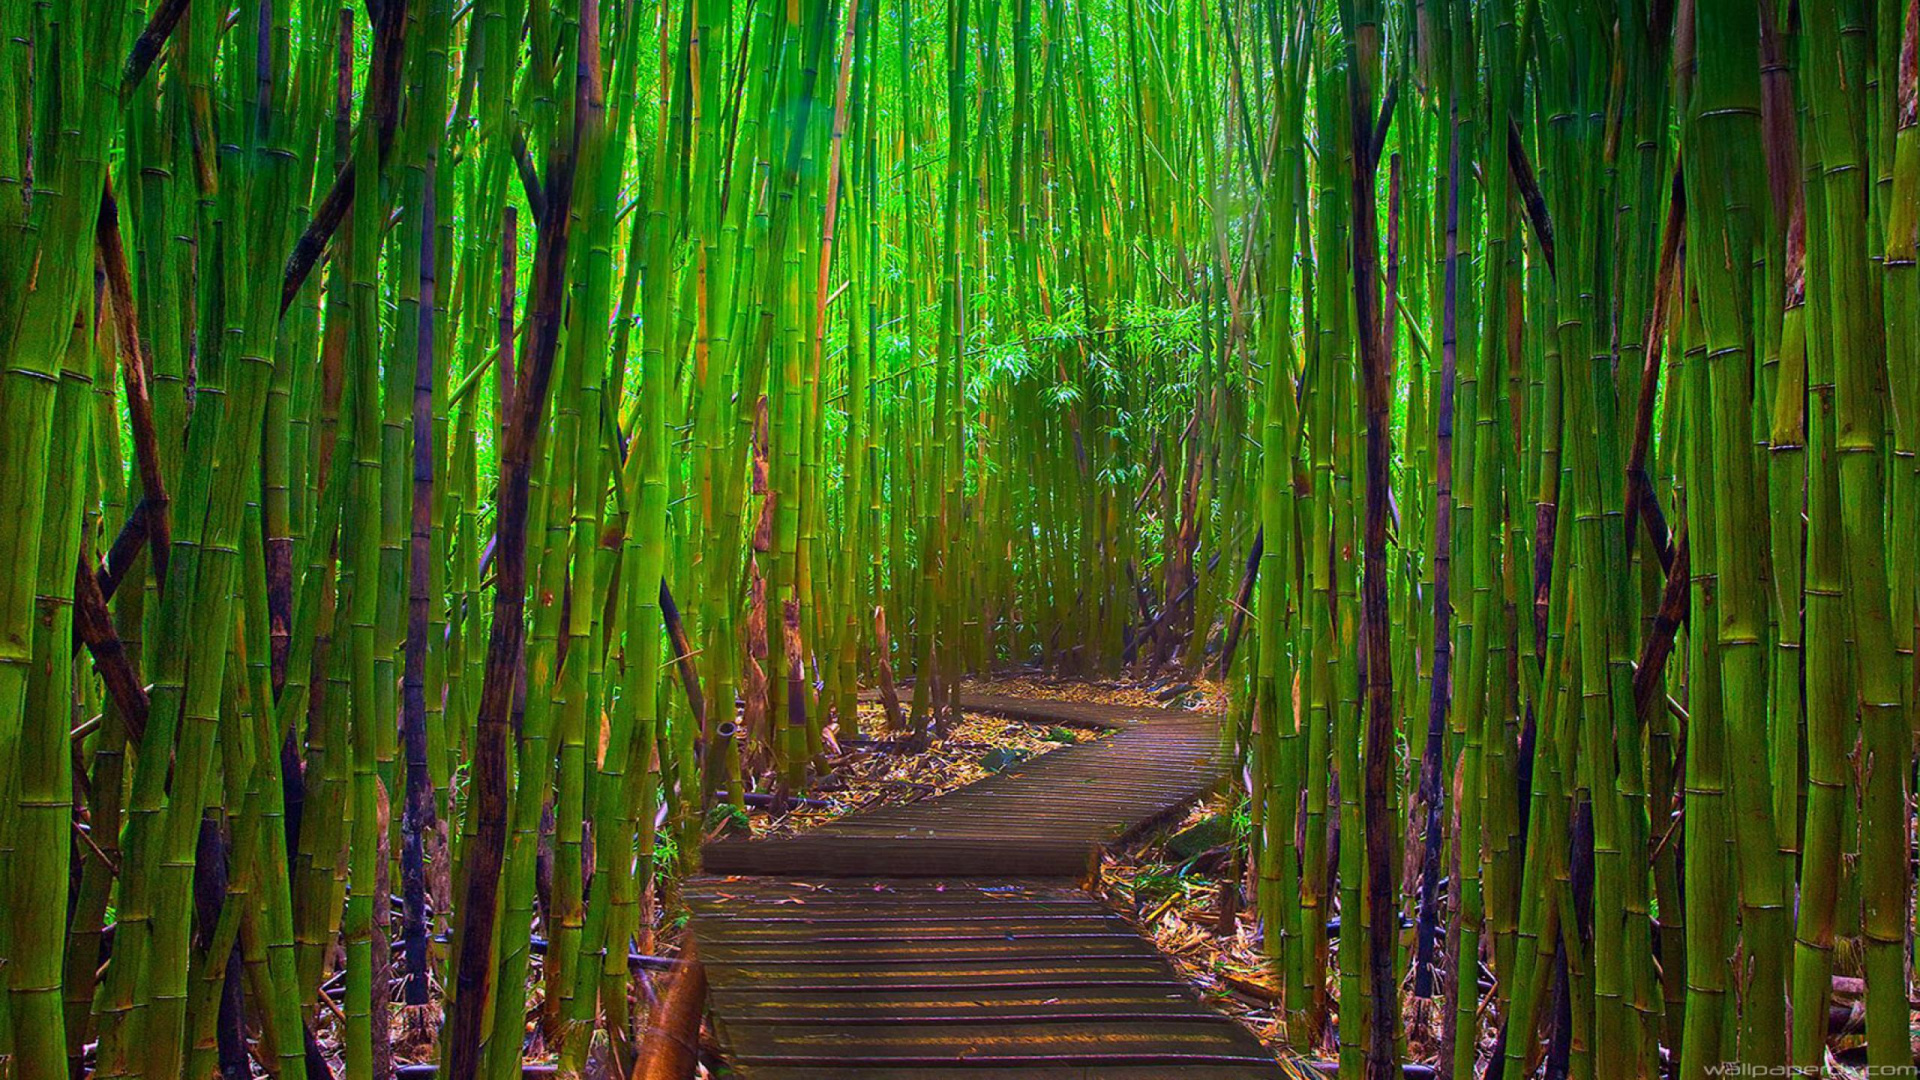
x=670, y=1043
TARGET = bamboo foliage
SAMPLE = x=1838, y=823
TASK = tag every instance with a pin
x=500, y=438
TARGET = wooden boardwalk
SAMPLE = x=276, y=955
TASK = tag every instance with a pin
x=951, y=937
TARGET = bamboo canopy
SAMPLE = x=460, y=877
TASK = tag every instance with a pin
x=477, y=443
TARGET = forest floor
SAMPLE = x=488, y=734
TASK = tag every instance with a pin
x=1169, y=898
x=1150, y=881
x=1167, y=881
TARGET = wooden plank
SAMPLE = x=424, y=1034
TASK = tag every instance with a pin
x=1142, y=1038
x=1097, y=1063
x=853, y=855
x=876, y=929
x=1097, y=1071
x=920, y=952
x=888, y=1006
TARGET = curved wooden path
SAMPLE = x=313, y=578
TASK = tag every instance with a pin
x=951, y=937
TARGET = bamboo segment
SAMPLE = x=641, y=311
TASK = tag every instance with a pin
x=502, y=440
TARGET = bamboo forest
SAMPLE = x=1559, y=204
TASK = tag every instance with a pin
x=959, y=538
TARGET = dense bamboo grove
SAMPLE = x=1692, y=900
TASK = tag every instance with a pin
x=476, y=444
x=1617, y=697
